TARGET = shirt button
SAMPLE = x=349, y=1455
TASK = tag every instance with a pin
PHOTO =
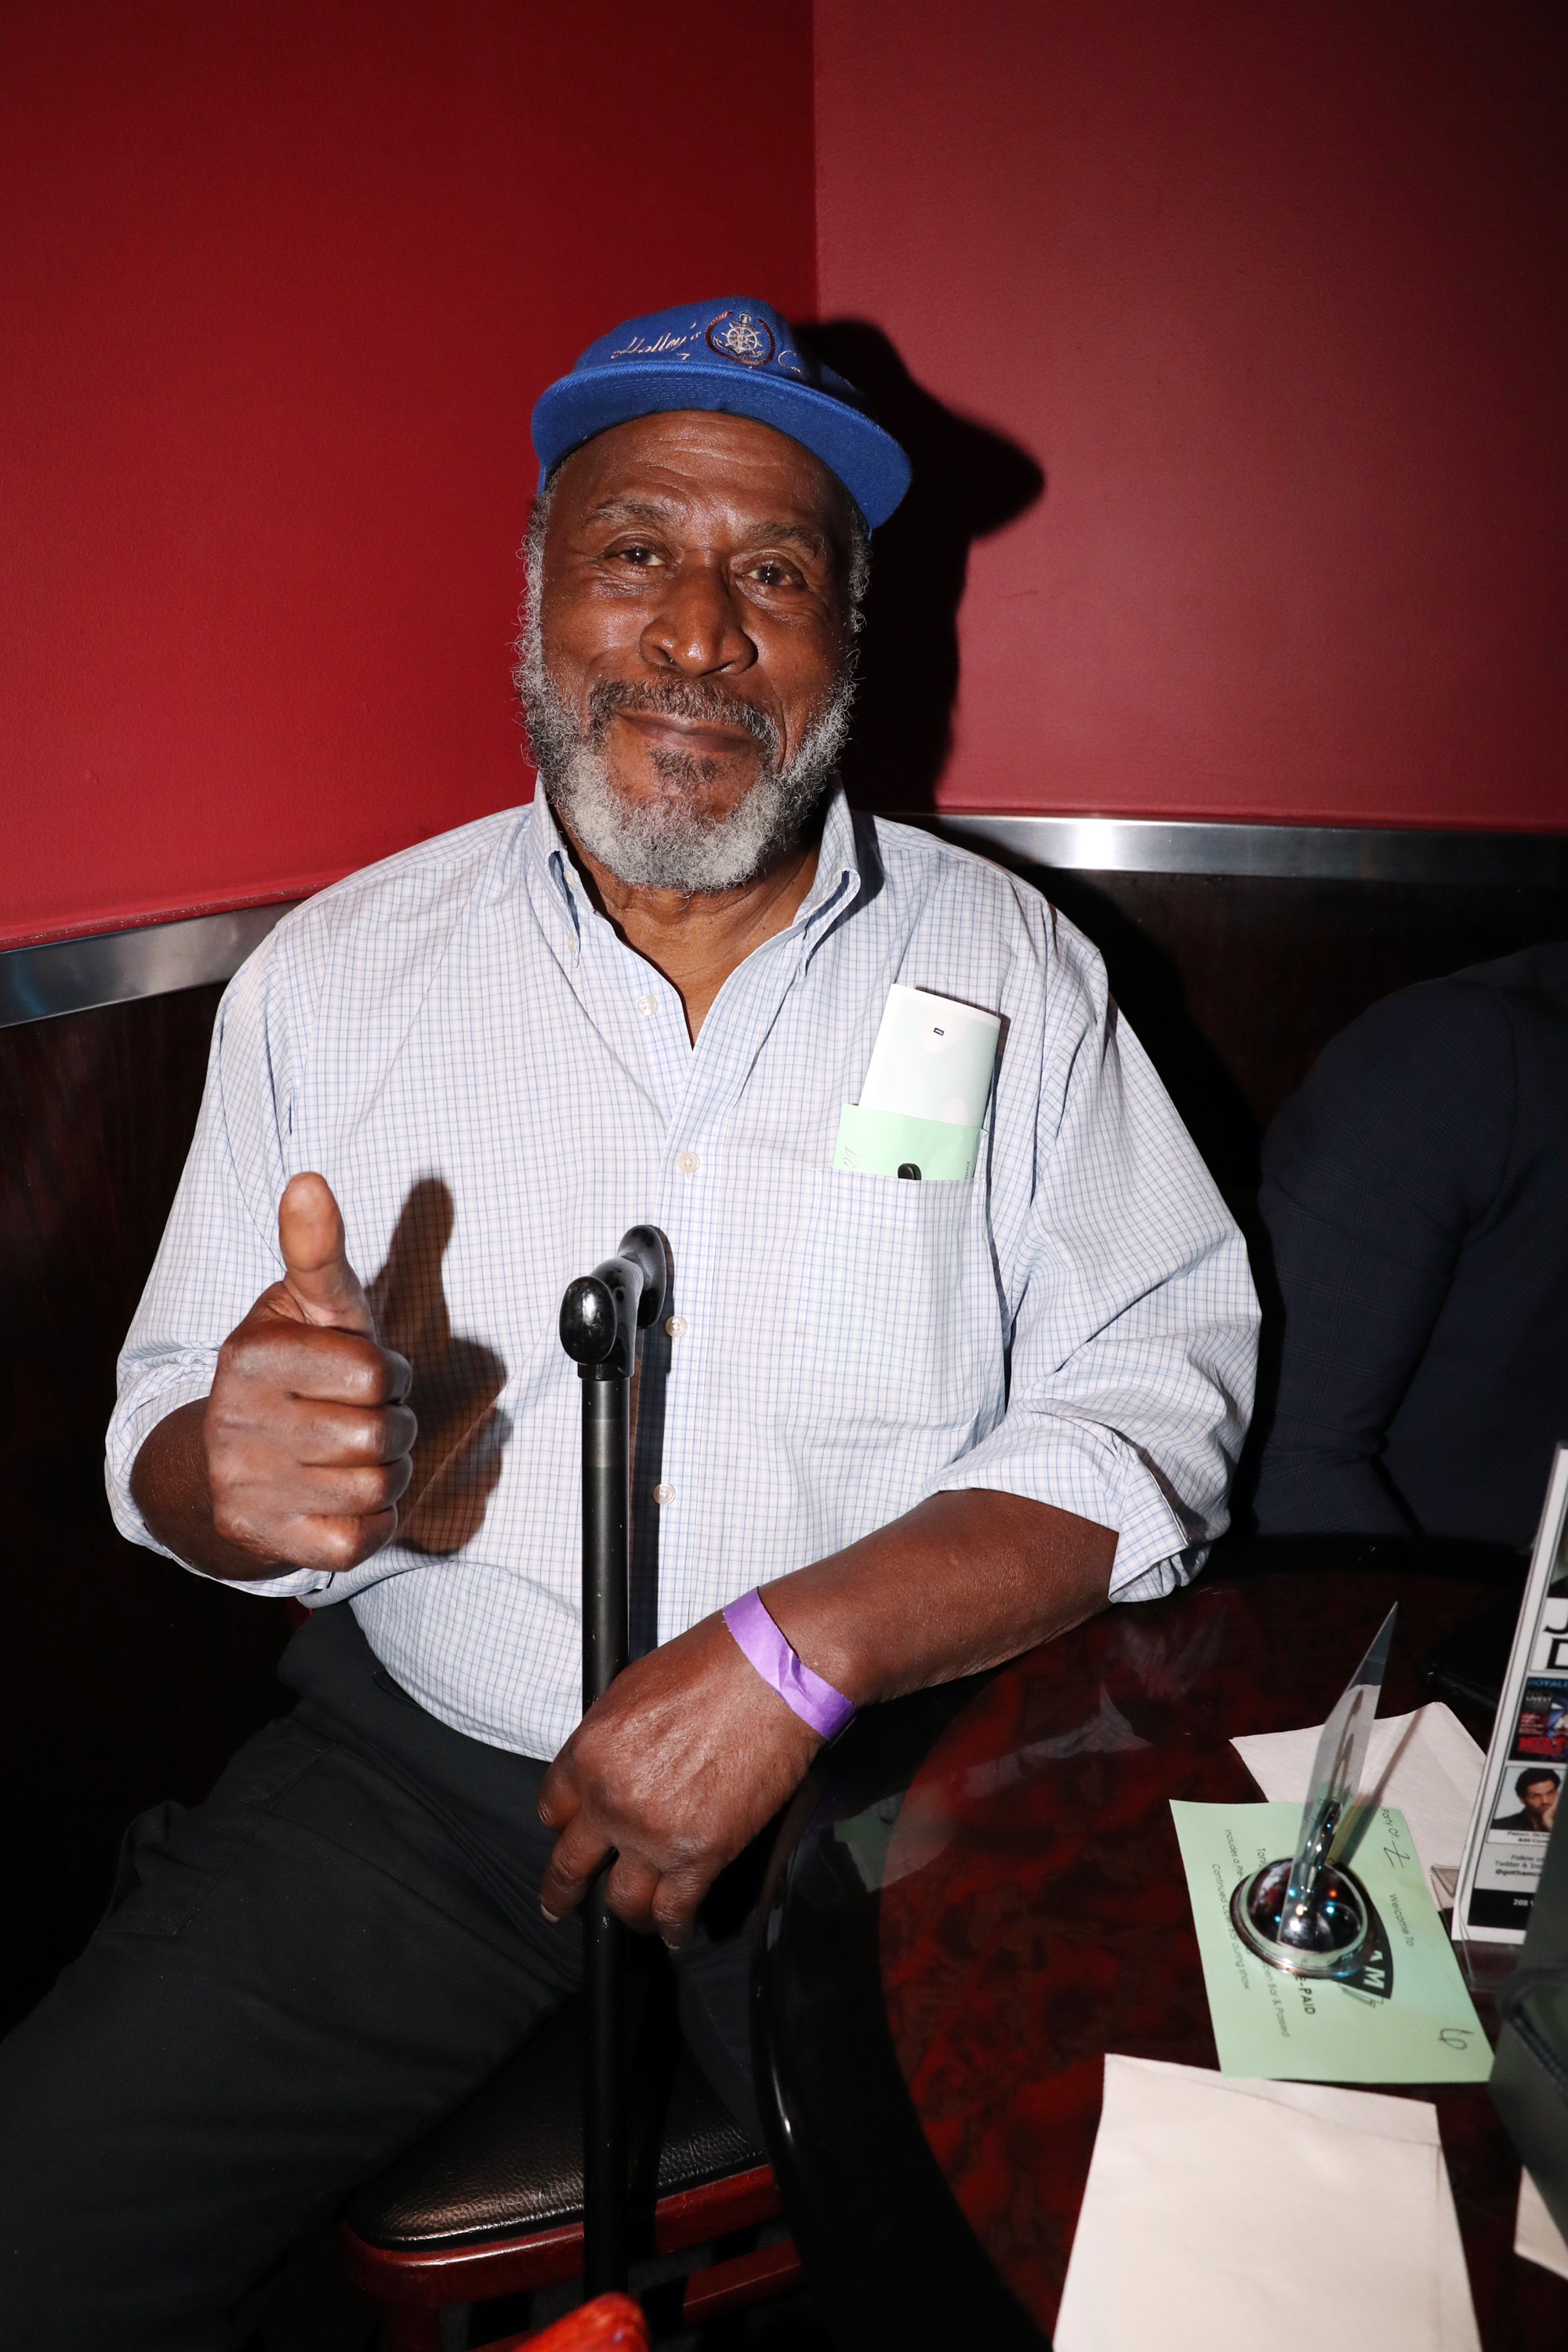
x=676, y=1325
x=687, y=1161
x=664, y=1493
x=645, y=1004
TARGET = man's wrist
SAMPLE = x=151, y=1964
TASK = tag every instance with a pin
x=772, y=1655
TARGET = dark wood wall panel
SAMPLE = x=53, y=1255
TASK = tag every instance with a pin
x=1235, y=984
x=125, y=1681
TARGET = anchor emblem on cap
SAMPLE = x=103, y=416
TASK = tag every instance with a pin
x=741, y=335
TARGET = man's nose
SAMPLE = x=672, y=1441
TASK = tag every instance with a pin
x=699, y=627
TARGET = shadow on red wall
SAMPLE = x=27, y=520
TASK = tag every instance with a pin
x=1275, y=296
x=968, y=482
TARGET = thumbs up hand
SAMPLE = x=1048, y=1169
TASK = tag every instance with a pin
x=306, y=1435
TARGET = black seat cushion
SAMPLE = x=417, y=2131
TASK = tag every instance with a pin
x=510, y=2159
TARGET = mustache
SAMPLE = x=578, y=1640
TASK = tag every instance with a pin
x=703, y=700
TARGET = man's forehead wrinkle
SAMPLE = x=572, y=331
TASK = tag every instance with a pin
x=694, y=452
x=642, y=509
x=633, y=509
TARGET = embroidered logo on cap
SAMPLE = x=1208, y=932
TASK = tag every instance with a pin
x=665, y=346
x=742, y=335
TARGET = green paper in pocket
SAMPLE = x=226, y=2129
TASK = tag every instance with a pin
x=880, y=1142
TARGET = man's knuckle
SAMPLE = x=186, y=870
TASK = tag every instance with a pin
x=227, y=1520
x=387, y=1437
x=358, y=1436
x=340, y=1543
x=221, y=1425
x=236, y=1356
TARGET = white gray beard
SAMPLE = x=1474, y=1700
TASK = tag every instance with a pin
x=665, y=844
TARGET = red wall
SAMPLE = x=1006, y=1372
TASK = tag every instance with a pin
x=1274, y=295
x=281, y=281
x=1277, y=298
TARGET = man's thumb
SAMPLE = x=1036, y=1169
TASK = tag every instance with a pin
x=316, y=1266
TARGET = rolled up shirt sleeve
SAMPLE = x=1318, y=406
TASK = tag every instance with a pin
x=1134, y=1321
x=220, y=1249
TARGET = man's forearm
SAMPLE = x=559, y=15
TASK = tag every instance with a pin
x=170, y=1488
x=962, y=1582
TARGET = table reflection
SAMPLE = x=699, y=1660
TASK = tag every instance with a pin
x=982, y=1893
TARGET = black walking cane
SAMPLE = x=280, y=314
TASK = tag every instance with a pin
x=601, y=1317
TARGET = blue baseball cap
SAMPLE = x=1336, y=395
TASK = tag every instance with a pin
x=737, y=356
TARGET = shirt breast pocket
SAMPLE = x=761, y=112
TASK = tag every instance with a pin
x=897, y=1320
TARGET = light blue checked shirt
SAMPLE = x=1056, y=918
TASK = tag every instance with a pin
x=1075, y=1323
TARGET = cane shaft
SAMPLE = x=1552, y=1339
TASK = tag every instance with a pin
x=606, y=1466
x=601, y=1315
x=605, y=2250
x=606, y=1531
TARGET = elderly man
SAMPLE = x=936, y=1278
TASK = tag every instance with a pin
x=933, y=1421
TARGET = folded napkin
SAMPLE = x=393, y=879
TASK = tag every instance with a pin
x=1222, y=2214
x=1427, y=1764
x=1535, y=2234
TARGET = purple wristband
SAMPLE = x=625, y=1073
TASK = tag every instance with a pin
x=814, y=1701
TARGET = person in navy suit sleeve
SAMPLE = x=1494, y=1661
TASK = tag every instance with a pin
x=1415, y=1195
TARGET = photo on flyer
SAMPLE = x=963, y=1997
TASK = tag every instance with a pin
x=1543, y=1728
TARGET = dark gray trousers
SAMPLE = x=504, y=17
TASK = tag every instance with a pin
x=294, y=1980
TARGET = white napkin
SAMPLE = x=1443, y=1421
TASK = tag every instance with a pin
x=1214, y=2204
x=1535, y=2234
x=1434, y=1780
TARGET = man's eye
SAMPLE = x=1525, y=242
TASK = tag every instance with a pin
x=770, y=575
x=641, y=557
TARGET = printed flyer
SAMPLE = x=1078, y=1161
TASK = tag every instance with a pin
x=1528, y=1756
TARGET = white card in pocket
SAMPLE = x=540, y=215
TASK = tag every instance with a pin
x=933, y=1058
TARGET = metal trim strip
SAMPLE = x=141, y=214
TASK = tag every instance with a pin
x=37, y=984
x=111, y=967
x=1325, y=853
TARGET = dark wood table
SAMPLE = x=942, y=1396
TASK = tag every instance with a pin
x=979, y=1894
